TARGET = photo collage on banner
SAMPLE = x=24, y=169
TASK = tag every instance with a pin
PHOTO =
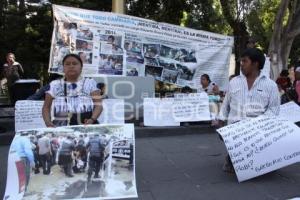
x=122, y=45
x=101, y=51
x=116, y=177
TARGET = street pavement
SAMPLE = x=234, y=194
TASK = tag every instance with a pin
x=188, y=166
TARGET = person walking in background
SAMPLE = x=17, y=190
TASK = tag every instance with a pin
x=22, y=145
x=250, y=94
x=12, y=71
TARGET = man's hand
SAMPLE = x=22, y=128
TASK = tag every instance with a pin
x=217, y=123
x=50, y=124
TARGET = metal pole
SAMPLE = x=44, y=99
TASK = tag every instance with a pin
x=118, y=6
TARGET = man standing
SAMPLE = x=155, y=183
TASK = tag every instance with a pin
x=65, y=155
x=45, y=153
x=96, y=149
x=12, y=71
x=250, y=94
x=21, y=144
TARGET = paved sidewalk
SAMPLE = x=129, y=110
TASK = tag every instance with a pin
x=188, y=167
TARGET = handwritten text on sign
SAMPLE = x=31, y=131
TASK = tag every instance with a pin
x=28, y=115
x=258, y=146
x=191, y=107
x=290, y=111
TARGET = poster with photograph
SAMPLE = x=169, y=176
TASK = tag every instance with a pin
x=121, y=45
x=75, y=162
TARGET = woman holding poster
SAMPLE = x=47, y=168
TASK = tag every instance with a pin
x=76, y=100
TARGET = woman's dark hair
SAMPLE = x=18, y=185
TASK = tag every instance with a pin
x=74, y=56
x=255, y=55
x=207, y=77
x=284, y=72
x=100, y=85
x=111, y=37
x=186, y=89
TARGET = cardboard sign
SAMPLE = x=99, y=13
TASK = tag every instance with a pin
x=261, y=145
x=28, y=115
x=191, y=107
x=158, y=112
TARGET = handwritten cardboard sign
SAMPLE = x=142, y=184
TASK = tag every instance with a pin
x=261, y=145
x=290, y=111
x=28, y=115
x=191, y=107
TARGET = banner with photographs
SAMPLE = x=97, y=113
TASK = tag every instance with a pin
x=74, y=162
x=122, y=45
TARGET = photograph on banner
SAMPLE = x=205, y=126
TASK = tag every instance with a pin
x=151, y=50
x=191, y=107
x=110, y=64
x=260, y=145
x=86, y=57
x=290, y=111
x=135, y=69
x=191, y=52
x=95, y=161
x=64, y=32
x=28, y=115
x=133, y=46
x=158, y=112
x=169, y=76
x=154, y=72
x=111, y=44
x=83, y=45
x=84, y=33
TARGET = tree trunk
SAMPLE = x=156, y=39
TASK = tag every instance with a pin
x=277, y=41
x=240, y=41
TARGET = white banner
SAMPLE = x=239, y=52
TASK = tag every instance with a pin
x=158, y=112
x=28, y=115
x=261, y=145
x=122, y=45
x=290, y=111
x=116, y=177
x=191, y=107
x=113, y=112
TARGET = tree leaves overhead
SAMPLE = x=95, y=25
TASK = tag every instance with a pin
x=26, y=25
x=26, y=30
x=158, y=10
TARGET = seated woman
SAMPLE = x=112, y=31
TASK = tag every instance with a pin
x=213, y=94
x=283, y=80
x=76, y=100
x=208, y=86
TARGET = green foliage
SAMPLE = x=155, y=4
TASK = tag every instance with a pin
x=27, y=31
x=261, y=21
x=207, y=15
x=158, y=10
